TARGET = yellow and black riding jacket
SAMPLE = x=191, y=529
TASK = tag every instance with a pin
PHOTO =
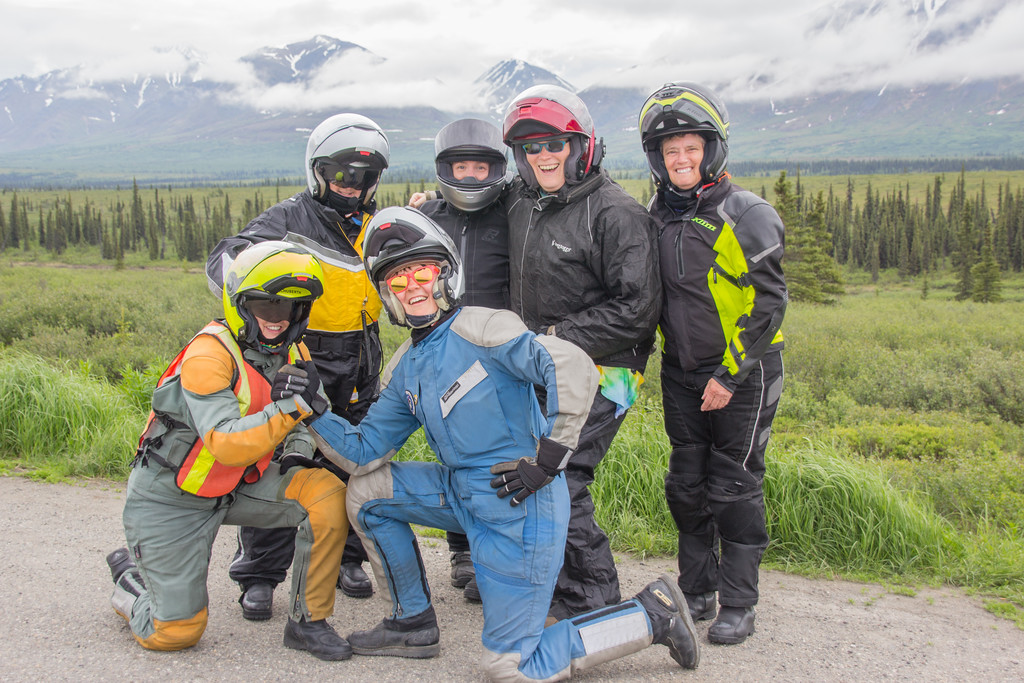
x=343, y=335
x=724, y=294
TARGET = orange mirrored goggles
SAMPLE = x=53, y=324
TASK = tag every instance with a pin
x=422, y=276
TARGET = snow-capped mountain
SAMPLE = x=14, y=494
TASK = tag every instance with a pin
x=296, y=62
x=506, y=79
x=67, y=126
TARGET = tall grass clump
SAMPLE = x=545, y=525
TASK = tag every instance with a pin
x=58, y=422
x=828, y=512
x=629, y=489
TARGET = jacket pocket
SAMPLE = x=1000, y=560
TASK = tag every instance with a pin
x=500, y=547
x=472, y=413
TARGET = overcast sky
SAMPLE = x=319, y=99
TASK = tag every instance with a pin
x=432, y=50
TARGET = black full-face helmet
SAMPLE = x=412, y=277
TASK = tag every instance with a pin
x=679, y=108
x=400, y=236
x=544, y=112
x=351, y=150
x=471, y=140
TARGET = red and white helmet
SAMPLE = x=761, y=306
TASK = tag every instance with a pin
x=550, y=111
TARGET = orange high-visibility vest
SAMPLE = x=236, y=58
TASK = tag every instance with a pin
x=200, y=473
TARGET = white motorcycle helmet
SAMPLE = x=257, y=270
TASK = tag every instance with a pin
x=399, y=236
x=351, y=150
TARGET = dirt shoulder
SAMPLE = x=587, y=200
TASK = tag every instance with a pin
x=58, y=624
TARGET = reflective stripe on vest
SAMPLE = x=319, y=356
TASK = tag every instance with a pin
x=200, y=473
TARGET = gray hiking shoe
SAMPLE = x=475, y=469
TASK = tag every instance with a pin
x=416, y=638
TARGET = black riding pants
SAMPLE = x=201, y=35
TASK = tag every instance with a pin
x=714, y=483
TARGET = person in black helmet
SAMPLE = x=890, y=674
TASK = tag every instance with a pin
x=473, y=175
x=584, y=268
x=724, y=299
x=345, y=157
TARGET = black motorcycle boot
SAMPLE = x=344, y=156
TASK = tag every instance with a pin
x=416, y=638
x=670, y=620
x=257, y=601
x=472, y=592
x=732, y=626
x=353, y=581
x=703, y=606
x=318, y=638
x=462, y=569
x=119, y=561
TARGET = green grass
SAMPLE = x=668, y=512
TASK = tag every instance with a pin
x=59, y=423
x=896, y=456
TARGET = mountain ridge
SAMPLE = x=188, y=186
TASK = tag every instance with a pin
x=67, y=124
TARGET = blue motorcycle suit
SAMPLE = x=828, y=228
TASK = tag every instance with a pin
x=469, y=384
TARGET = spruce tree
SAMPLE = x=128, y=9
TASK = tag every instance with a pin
x=13, y=235
x=986, y=273
x=963, y=257
x=811, y=273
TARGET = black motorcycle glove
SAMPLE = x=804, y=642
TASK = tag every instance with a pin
x=300, y=379
x=288, y=381
x=521, y=478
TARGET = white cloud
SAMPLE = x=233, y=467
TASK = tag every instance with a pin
x=434, y=51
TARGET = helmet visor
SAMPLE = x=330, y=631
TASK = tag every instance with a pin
x=471, y=167
x=270, y=310
x=350, y=176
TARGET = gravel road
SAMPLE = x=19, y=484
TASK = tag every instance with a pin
x=58, y=624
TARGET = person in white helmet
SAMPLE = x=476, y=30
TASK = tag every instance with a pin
x=345, y=157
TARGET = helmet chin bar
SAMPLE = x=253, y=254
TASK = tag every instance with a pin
x=418, y=322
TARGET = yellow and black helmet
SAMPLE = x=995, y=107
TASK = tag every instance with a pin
x=276, y=279
x=678, y=108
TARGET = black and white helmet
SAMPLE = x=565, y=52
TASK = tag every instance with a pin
x=349, y=149
x=678, y=108
x=399, y=236
x=476, y=140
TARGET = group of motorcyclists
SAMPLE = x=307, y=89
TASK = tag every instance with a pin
x=532, y=301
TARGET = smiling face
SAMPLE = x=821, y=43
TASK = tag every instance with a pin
x=272, y=331
x=416, y=297
x=682, y=155
x=549, y=167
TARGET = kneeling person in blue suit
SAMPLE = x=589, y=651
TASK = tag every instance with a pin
x=466, y=376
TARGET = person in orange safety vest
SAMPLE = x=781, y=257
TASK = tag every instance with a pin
x=205, y=459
